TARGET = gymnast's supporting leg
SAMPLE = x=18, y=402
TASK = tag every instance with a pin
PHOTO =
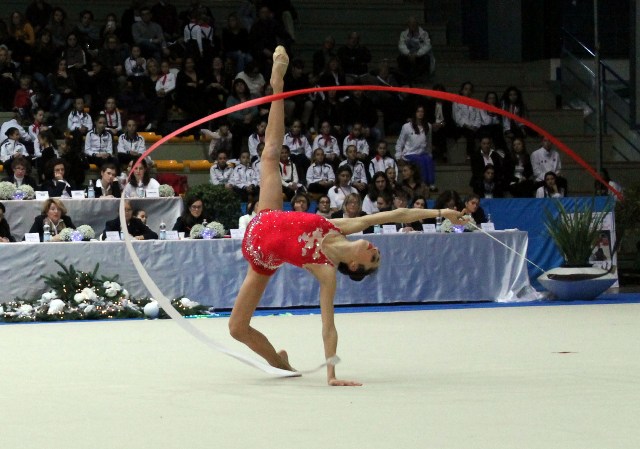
x=270, y=198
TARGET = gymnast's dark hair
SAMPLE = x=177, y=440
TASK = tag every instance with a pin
x=357, y=275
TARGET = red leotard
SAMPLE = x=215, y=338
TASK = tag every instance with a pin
x=275, y=237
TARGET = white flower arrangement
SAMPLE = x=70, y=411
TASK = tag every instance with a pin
x=218, y=228
x=87, y=232
x=186, y=302
x=213, y=230
x=65, y=234
x=166, y=191
x=111, y=288
x=447, y=226
x=196, y=231
x=7, y=189
x=28, y=192
x=87, y=294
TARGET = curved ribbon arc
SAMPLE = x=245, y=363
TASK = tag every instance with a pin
x=195, y=332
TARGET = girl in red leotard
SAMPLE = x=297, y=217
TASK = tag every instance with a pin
x=305, y=240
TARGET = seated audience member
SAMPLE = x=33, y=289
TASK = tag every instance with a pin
x=242, y=122
x=342, y=188
x=359, y=177
x=221, y=172
x=392, y=176
x=358, y=140
x=12, y=148
x=108, y=186
x=512, y=101
x=546, y=159
x=54, y=213
x=412, y=182
x=519, y=179
x=483, y=157
x=300, y=203
x=300, y=105
x=55, y=182
x=140, y=214
x=419, y=202
x=449, y=199
x=79, y=123
x=48, y=151
x=384, y=202
x=550, y=188
x=192, y=215
x=135, y=227
x=488, y=187
x=243, y=221
x=466, y=118
x=289, y=174
x=221, y=140
x=354, y=58
x=244, y=179
x=21, y=168
x=253, y=79
x=299, y=146
x=5, y=229
x=98, y=144
x=328, y=143
x=140, y=181
x=130, y=144
x=472, y=205
x=378, y=185
x=320, y=176
x=38, y=126
x=381, y=160
x=441, y=112
x=415, y=50
x=352, y=208
x=112, y=117
x=324, y=206
x=256, y=139
x=491, y=123
x=602, y=190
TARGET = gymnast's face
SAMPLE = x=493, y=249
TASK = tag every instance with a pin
x=367, y=255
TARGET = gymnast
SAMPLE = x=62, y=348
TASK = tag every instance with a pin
x=309, y=241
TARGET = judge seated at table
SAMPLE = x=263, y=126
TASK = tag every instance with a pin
x=55, y=182
x=135, y=227
x=108, y=186
x=54, y=214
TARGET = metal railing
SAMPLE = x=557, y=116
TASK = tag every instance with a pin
x=578, y=84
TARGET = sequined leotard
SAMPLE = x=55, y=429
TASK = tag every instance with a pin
x=275, y=237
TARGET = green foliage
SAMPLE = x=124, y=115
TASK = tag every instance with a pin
x=576, y=232
x=219, y=203
x=70, y=281
x=628, y=212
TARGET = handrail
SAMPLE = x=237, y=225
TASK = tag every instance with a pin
x=577, y=41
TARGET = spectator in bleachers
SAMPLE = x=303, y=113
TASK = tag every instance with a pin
x=328, y=143
x=43, y=63
x=381, y=160
x=24, y=98
x=602, y=190
x=130, y=16
x=352, y=208
x=98, y=144
x=412, y=183
x=392, y=176
x=486, y=155
x=130, y=144
x=333, y=75
x=5, y=229
x=331, y=109
x=299, y=145
x=148, y=35
x=355, y=59
x=235, y=41
x=190, y=90
x=55, y=179
x=53, y=213
x=76, y=59
x=467, y=119
x=113, y=54
x=14, y=122
x=289, y=173
x=358, y=108
x=342, y=187
x=35, y=129
x=59, y=27
x=389, y=103
x=512, y=101
x=140, y=181
x=64, y=89
x=135, y=227
x=21, y=173
x=8, y=79
x=165, y=14
x=221, y=140
x=191, y=216
x=415, y=50
x=11, y=148
x=300, y=106
x=247, y=13
x=324, y=206
x=110, y=29
x=322, y=56
x=22, y=37
x=413, y=145
x=379, y=185
x=79, y=122
x=221, y=172
x=488, y=186
x=47, y=151
x=300, y=202
x=241, y=121
x=550, y=188
x=356, y=137
x=244, y=179
x=37, y=14
x=546, y=159
x=440, y=111
x=519, y=177
x=264, y=35
x=217, y=85
x=135, y=65
x=253, y=78
x=359, y=172
x=112, y=116
x=491, y=123
x=102, y=85
x=256, y=138
x=320, y=176
x=108, y=186
x=87, y=32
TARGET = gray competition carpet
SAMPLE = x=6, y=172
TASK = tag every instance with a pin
x=560, y=377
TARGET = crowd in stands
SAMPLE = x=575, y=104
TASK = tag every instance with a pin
x=80, y=92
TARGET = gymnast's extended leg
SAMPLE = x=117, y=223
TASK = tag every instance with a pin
x=270, y=198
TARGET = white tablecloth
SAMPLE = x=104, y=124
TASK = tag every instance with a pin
x=415, y=268
x=92, y=212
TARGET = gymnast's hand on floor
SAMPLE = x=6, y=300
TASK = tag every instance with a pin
x=343, y=383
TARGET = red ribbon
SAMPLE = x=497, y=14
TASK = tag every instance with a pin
x=408, y=90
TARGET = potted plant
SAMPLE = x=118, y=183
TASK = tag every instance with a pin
x=576, y=233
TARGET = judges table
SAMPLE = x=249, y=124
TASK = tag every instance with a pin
x=415, y=267
x=92, y=212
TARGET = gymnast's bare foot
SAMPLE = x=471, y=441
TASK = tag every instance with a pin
x=285, y=360
x=279, y=68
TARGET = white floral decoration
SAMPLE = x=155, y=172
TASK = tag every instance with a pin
x=111, y=288
x=218, y=228
x=49, y=296
x=447, y=226
x=7, y=189
x=87, y=232
x=87, y=294
x=28, y=191
x=186, y=302
x=166, y=191
x=196, y=231
x=56, y=306
x=65, y=234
